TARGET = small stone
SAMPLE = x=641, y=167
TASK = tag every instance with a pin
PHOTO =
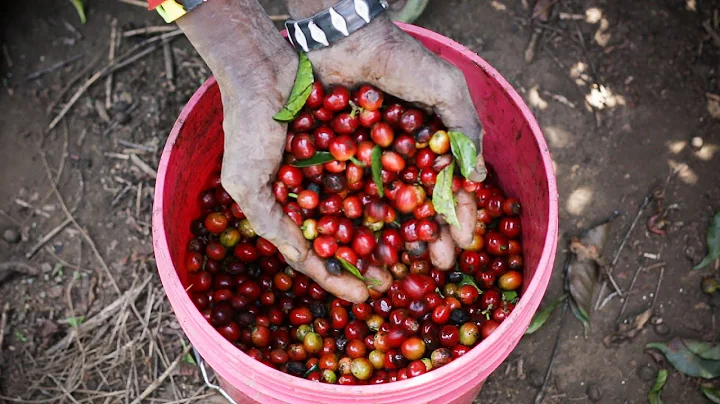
x=697, y=143
x=662, y=329
x=535, y=379
x=120, y=106
x=122, y=118
x=11, y=235
x=594, y=393
x=646, y=373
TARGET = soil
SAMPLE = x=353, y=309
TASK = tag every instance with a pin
x=646, y=66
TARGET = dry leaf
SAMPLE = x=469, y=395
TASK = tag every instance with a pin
x=542, y=9
x=628, y=330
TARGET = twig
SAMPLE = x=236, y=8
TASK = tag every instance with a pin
x=657, y=288
x=138, y=199
x=51, y=68
x=111, y=59
x=47, y=237
x=167, y=56
x=31, y=207
x=101, y=317
x=72, y=82
x=135, y=3
x=541, y=393
x=82, y=231
x=120, y=194
x=8, y=59
x=10, y=218
x=560, y=98
x=136, y=145
x=150, y=30
x=118, y=64
x=3, y=323
x=154, y=385
x=6, y=267
x=279, y=17
x=713, y=34
x=142, y=165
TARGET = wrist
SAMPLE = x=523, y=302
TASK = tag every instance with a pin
x=299, y=9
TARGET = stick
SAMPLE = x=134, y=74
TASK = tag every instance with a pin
x=541, y=393
x=10, y=218
x=167, y=56
x=142, y=165
x=47, y=237
x=101, y=317
x=51, y=68
x=138, y=199
x=3, y=323
x=154, y=385
x=713, y=34
x=8, y=59
x=16, y=266
x=135, y=3
x=111, y=59
x=136, y=145
x=657, y=288
x=150, y=30
x=71, y=83
x=279, y=17
x=82, y=231
x=118, y=64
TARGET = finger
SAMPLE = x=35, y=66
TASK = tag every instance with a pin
x=442, y=250
x=466, y=211
x=380, y=277
x=345, y=286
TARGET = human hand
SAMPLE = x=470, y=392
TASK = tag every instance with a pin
x=255, y=82
x=383, y=55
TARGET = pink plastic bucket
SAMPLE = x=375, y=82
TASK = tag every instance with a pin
x=513, y=145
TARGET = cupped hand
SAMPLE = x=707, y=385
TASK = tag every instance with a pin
x=383, y=55
x=254, y=145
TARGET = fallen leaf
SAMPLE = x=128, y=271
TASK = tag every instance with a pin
x=464, y=151
x=713, y=243
x=703, y=349
x=654, y=394
x=443, y=199
x=541, y=317
x=542, y=9
x=583, y=269
x=629, y=329
x=711, y=393
x=685, y=360
x=376, y=169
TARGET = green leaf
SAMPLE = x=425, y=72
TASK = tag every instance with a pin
x=704, y=349
x=685, y=360
x=313, y=368
x=509, y=295
x=468, y=280
x=464, y=151
x=75, y=321
x=353, y=270
x=654, y=394
x=713, y=243
x=20, y=336
x=80, y=8
x=300, y=92
x=443, y=199
x=541, y=317
x=711, y=393
x=320, y=157
x=376, y=167
x=188, y=358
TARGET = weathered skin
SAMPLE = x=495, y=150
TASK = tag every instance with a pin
x=255, y=69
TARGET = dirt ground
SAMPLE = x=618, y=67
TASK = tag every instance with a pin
x=644, y=66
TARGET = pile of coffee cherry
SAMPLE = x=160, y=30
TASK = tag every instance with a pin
x=358, y=177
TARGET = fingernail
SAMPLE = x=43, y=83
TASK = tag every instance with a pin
x=480, y=172
x=289, y=252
